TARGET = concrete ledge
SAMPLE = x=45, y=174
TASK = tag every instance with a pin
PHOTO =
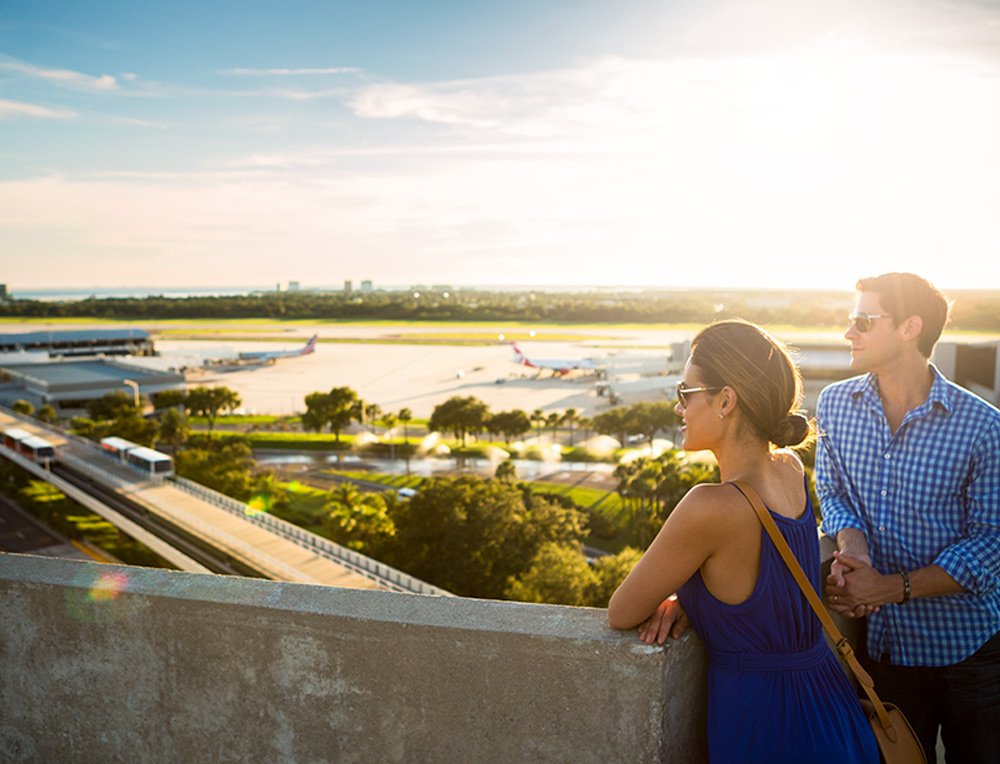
x=104, y=663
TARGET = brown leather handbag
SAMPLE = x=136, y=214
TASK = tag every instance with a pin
x=897, y=741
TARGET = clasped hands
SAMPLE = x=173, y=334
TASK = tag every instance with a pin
x=854, y=588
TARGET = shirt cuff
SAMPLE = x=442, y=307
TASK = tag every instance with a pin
x=968, y=571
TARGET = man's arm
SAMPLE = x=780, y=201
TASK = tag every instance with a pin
x=864, y=588
x=974, y=559
x=838, y=507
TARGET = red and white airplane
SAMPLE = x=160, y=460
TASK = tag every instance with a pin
x=559, y=365
x=267, y=356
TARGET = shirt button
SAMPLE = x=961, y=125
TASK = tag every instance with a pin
x=887, y=456
x=885, y=493
x=881, y=529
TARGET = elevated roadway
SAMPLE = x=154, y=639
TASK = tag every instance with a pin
x=255, y=540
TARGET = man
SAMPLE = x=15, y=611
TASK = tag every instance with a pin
x=908, y=476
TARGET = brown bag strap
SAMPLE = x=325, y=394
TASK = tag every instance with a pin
x=842, y=646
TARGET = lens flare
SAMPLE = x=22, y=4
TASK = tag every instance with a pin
x=97, y=597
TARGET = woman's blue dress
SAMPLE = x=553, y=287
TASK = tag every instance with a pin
x=776, y=692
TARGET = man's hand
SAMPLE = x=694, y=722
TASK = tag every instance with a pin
x=668, y=619
x=855, y=589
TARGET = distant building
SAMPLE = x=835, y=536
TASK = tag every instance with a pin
x=74, y=344
x=366, y=286
x=348, y=287
x=293, y=286
x=72, y=384
x=3, y=291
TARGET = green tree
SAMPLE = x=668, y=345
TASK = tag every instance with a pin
x=469, y=535
x=114, y=405
x=406, y=416
x=135, y=428
x=650, y=418
x=553, y=421
x=537, y=417
x=22, y=406
x=268, y=493
x=615, y=422
x=168, y=398
x=570, y=418
x=511, y=424
x=334, y=409
x=47, y=413
x=342, y=409
x=459, y=416
x=361, y=523
x=223, y=464
x=610, y=571
x=506, y=471
x=209, y=402
x=174, y=428
x=559, y=575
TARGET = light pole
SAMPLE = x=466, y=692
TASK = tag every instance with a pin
x=135, y=390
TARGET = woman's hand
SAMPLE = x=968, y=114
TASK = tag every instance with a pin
x=669, y=618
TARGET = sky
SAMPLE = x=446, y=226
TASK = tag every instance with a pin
x=678, y=143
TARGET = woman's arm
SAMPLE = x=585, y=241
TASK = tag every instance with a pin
x=688, y=538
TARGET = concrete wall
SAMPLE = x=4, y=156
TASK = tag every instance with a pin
x=107, y=664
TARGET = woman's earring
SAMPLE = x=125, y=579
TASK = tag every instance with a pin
x=722, y=415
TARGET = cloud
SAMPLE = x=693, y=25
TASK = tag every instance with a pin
x=14, y=109
x=64, y=77
x=291, y=72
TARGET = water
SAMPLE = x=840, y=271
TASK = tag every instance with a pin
x=527, y=469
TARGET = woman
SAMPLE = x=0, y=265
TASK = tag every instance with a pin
x=776, y=693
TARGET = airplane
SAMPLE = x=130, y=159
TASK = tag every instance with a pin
x=558, y=365
x=269, y=356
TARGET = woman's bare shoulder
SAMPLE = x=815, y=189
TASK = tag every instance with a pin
x=709, y=501
x=789, y=462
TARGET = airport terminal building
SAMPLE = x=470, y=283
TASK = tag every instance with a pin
x=73, y=344
x=67, y=369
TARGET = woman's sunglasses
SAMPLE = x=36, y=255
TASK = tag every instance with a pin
x=863, y=321
x=684, y=392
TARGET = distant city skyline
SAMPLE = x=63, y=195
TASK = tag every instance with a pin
x=730, y=143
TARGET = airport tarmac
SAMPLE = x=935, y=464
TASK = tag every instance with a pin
x=414, y=376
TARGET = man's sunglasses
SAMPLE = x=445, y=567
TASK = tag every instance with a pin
x=863, y=321
x=684, y=392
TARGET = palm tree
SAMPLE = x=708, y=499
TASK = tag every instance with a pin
x=389, y=421
x=553, y=421
x=405, y=416
x=570, y=418
x=537, y=417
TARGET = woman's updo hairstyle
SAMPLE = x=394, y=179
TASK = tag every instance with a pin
x=759, y=368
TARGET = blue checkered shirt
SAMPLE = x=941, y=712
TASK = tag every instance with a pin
x=928, y=494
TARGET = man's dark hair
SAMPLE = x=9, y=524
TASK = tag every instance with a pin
x=904, y=295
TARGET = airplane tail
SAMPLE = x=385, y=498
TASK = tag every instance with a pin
x=520, y=357
x=311, y=345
